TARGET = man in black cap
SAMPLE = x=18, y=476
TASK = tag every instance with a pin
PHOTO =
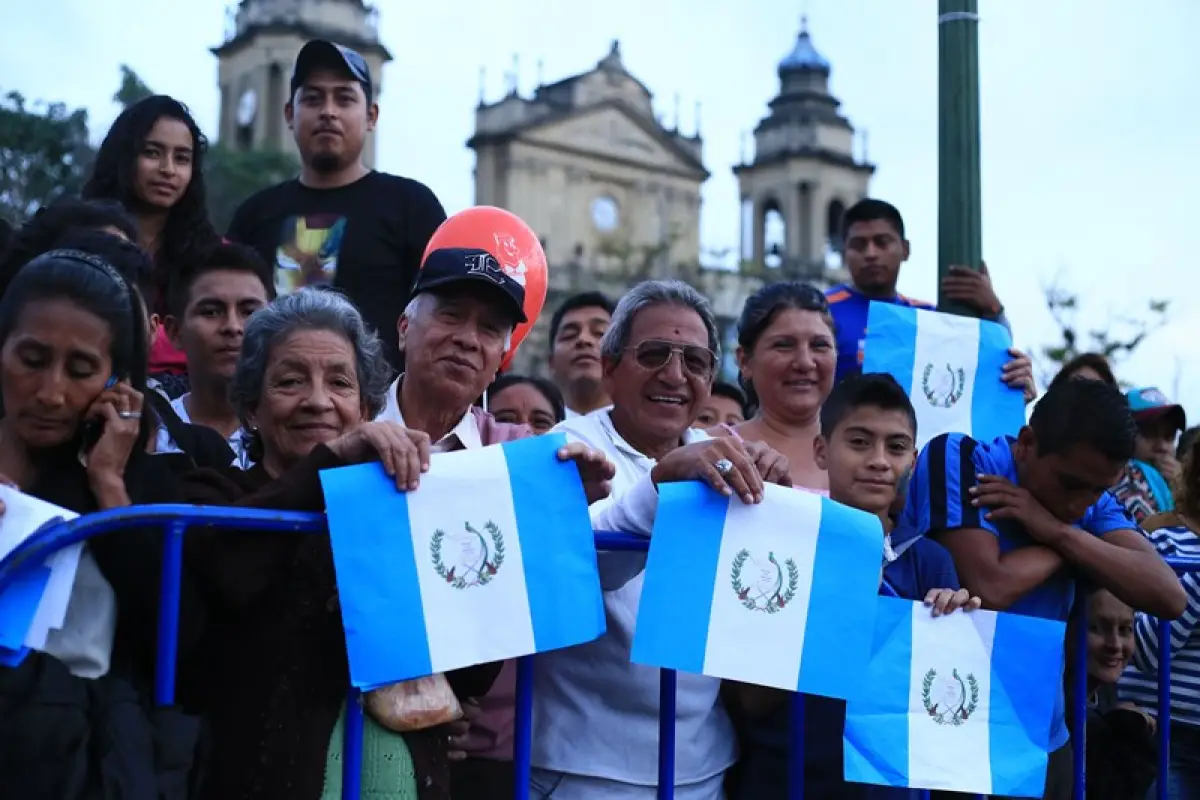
x=340, y=223
x=454, y=334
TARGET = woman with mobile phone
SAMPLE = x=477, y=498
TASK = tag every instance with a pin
x=72, y=432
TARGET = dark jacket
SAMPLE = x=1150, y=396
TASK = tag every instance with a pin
x=274, y=673
x=67, y=738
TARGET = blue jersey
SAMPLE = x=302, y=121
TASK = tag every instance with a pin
x=939, y=500
x=849, y=308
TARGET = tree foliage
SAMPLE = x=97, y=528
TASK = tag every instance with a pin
x=44, y=154
x=132, y=90
x=1116, y=339
x=232, y=175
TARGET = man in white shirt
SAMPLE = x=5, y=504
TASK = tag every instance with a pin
x=595, y=714
x=575, y=332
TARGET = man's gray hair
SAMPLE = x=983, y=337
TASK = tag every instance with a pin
x=425, y=300
x=656, y=293
x=309, y=309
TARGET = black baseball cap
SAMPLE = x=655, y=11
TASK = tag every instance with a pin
x=450, y=265
x=322, y=53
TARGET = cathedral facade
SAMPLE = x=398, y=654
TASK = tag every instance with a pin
x=612, y=192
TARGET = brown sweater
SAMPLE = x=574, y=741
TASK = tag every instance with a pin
x=272, y=672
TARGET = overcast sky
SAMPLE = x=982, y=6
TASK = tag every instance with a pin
x=1090, y=116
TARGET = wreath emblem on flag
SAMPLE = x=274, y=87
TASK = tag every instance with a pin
x=764, y=589
x=949, y=701
x=944, y=389
x=474, y=559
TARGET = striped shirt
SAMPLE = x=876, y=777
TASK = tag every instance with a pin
x=1139, y=683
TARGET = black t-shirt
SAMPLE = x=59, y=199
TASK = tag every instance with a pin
x=366, y=239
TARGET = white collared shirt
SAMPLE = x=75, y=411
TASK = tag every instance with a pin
x=239, y=442
x=595, y=713
x=464, y=435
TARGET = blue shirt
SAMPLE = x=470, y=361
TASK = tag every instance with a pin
x=849, y=308
x=923, y=566
x=939, y=501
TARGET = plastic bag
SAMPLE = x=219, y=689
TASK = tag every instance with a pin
x=414, y=705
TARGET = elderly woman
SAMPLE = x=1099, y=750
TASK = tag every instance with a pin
x=596, y=712
x=309, y=379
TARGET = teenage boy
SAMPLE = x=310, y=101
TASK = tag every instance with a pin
x=208, y=304
x=867, y=447
x=1022, y=517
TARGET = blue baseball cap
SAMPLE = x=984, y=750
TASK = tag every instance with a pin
x=1148, y=403
x=449, y=266
x=322, y=53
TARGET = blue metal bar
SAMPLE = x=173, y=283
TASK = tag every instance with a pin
x=523, y=734
x=167, y=645
x=1164, y=708
x=1079, y=700
x=352, y=747
x=667, y=684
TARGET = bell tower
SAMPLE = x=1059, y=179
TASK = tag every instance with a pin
x=803, y=173
x=255, y=61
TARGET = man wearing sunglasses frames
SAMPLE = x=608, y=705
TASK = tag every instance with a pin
x=597, y=712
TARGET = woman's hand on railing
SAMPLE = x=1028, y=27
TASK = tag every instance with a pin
x=1151, y=720
x=595, y=470
x=457, y=732
x=947, y=601
x=404, y=453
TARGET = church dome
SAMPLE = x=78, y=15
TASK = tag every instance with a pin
x=804, y=57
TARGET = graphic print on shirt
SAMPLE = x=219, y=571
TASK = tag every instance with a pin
x=308, y=251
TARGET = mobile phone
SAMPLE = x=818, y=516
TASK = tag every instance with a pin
x=93, y=429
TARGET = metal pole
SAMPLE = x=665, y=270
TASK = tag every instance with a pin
x=959, y=235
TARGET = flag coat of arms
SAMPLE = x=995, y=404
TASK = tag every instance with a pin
x=950, y=366
x=491, y=558
x=781, y=593
x=960, y=703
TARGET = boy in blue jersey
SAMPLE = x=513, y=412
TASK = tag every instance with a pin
x=875, y=248
x=868, y=430
x=1021, y=517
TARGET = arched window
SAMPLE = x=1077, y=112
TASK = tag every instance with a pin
x=774, y=235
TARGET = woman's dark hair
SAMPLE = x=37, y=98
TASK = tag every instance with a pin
x=46, y=229
x=1093, y=361
x=114, y=176
x=548, y=390
x=763, y=306
x=95, y=286
x=129, y=260
x=1186, y=490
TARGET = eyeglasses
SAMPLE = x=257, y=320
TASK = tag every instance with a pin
x=654, y=354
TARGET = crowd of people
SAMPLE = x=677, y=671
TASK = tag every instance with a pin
x=144, y=358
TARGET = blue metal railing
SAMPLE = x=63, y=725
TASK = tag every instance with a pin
x=176, y=519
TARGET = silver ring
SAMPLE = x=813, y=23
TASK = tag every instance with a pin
x=724, y=466
x=129, y=414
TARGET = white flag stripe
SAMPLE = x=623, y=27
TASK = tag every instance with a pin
x=482, y=498
x=753, y=645
x=945, y=359
x=949, y=746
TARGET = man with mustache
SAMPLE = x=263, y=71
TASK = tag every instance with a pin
x=341, y=224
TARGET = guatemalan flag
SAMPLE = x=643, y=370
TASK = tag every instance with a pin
x=781, y=593
x=950, y=366
x=491, y=558
x=962, y=702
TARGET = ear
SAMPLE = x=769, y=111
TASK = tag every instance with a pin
x=402, y=330
x=372, y=116
x=821, y=452
x=1026, y=444
x=152, y=325
x=743, y=361
x=607, y=367
x=907, y=248
x=171, y=324
x=289, y=115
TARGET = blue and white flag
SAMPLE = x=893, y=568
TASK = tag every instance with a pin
x=491, y=558
x=781, y=593
x=950, y=366
x=962, y=702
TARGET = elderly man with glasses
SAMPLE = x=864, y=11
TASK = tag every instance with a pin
x=596, y=713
